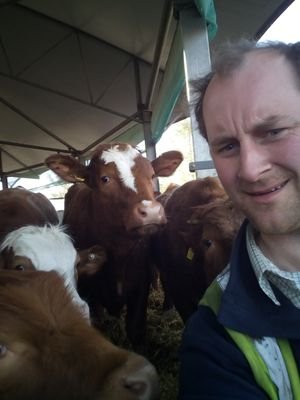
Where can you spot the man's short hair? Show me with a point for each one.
(229, 57)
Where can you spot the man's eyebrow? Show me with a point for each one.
(281, 121)
(222, 141)
(262, 126)
(266, 123)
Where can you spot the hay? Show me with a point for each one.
(164, 332)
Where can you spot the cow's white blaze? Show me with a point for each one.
(124, 161)
(48, 248)
(147, 203)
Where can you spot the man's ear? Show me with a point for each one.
(67, 168)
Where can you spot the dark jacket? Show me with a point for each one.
(211, 365)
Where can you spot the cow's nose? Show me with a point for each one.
(143, 384)
(142, 379)
(136, 379)
(148, 212)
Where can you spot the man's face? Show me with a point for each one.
(253, 126)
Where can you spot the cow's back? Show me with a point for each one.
(79, 216)
(19, 207)
(191, 194)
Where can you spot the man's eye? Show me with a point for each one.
(227, 148)
(275, 132)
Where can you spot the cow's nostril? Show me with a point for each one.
(146, 213)
(143, 213)
(140, 380)
(136, 387)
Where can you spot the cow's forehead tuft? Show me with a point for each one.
(124, 159)
(114, 152)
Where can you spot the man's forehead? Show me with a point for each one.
(253, 93)
(247, 60)
(260, 57)
(257, 66)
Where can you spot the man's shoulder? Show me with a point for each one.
(203, 326)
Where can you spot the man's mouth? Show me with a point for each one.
(267, 191)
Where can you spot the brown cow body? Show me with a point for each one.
(20, 207)
(196, 242)
(115, 207)
(49, 351)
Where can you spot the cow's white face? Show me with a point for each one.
(47, 248)
(124, 161)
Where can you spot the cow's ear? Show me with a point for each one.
(67, 168)
(167, 163)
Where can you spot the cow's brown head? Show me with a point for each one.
(122, 182)
(213, 227)
(48, 350)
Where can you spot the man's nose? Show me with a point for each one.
(254, 162)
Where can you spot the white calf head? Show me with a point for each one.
(47, 248)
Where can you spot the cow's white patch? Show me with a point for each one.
(146, 203)
(48, 248)
(124, 160)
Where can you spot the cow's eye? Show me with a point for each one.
(105, 179)
(207, 243)
(3, 350)
(19, 267)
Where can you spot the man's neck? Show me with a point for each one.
(282, 250)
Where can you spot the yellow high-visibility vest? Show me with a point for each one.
(212, 299)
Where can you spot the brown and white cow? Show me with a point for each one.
(43, 248)
(31, 239)
(113, 205)
(196, 242)
(49, 351)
